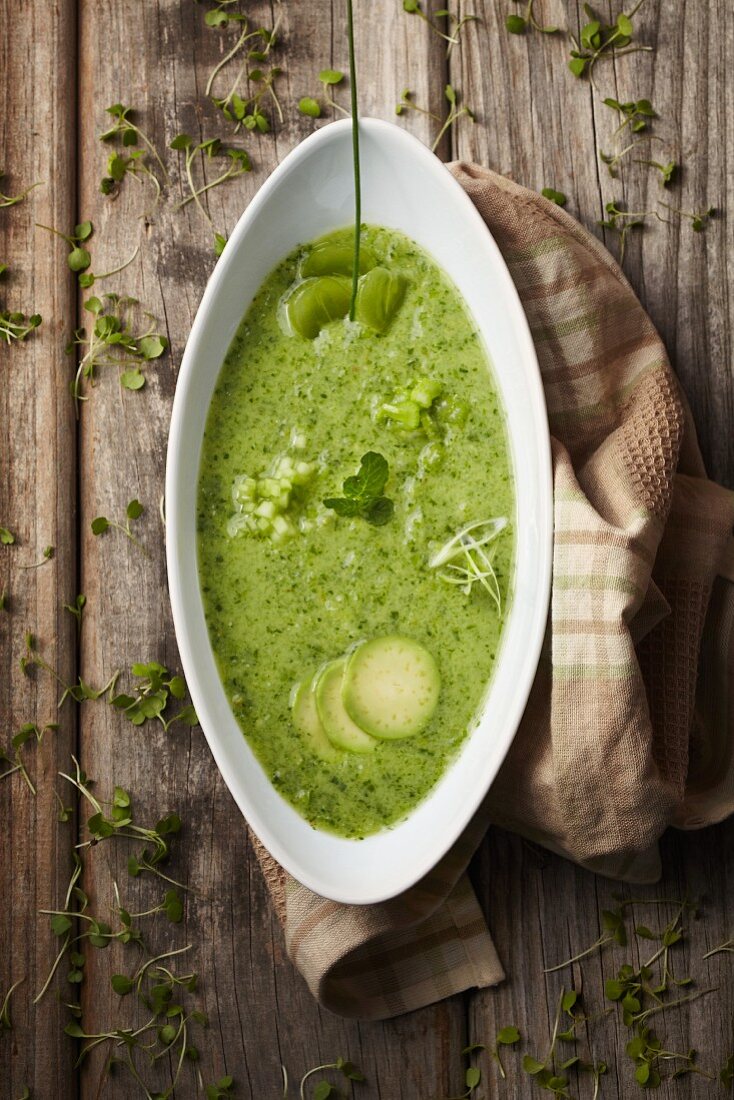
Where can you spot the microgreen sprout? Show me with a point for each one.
(636, 113)
(699, 220)
(239, 163)
(464, 561)
(79, 692)
(27, 732)
(133, 511)
(220, 1089)
(328, 79)
(519, 24)
(47, 555)
(456, 111)
(549, 1073)
(442, 22)
(7, 538)
(726, 947)
(117, 339)
(77, 609)
(668, 171)
(325, 1090)
(554, 196)
(598, 41)
(78, 258)
(13, 200)
(245, 111)
(14, 324)
(5, 1021)
(506, 1036)
(164, 1036)
(124, 127)
(152, 694)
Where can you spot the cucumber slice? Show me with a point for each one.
(317, 301)
(391, 687)
(307, 721)
(336, 258)
(338, 726)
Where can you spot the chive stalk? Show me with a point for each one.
(355, 159)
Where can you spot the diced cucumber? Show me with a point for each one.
(391, 687)
(307, 721)
(338, 726)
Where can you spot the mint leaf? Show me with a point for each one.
(363, 492)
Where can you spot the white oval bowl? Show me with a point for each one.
(404, 187)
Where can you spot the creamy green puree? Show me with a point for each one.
(277, 610)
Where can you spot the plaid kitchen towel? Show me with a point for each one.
(630, 723)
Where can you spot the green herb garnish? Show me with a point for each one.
(133, 511)
(519, 24)
(116, 340)
(453, 24)
(557, 197)
(13, 200)
(239, 163)
(363, 492)
(14, 325)
(599, 41)
(456, 111)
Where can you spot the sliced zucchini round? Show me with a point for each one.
(307, 721)
(341, 731)
(391, 687)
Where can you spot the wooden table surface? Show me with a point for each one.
(62, 62)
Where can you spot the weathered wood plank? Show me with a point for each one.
(259, 1009)
(541, 126)
(37, 502)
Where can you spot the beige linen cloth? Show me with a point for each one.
(630, 723)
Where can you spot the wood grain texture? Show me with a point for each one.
(37, 491)
(541, 126)
(259, 1009)
(534, 122)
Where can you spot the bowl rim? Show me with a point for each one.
(178, 597)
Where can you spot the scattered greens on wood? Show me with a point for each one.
(455, 112)
(636, 114)
(155, 689)
(78, 258)
(47, 555)
(603, 41)
(250, 46)
(324, 1089)
(554, 196)
(117, 339)
(5, 1021)
(27, 732)
(220, 1089)
(622, 221)
(77, 609)
(442, 22)
(14, 324)
(133, 511)
(13, 200)
(133, 159)
(364, 492)
(519, 24)
(239, 163)
(328, 78)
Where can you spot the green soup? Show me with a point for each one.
(278, 608)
